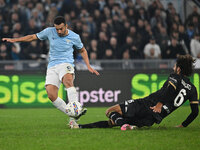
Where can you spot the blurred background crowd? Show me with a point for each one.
(109, 29)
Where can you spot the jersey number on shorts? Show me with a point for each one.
(179, 98)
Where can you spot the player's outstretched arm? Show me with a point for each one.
(194, 105)
(27, 38)
(86, 60)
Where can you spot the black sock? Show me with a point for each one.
(117, 118)
(99, 124)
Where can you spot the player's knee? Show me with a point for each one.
(52, 92)
(115, 108)
(68, 80)
(68, 83)
(108, 111)
(52, 97)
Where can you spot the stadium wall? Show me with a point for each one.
(27, 89)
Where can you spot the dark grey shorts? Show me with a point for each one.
(135, 112)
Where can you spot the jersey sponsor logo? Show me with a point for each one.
(68, 41)
(69, 68)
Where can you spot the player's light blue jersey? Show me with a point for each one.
(61, 48)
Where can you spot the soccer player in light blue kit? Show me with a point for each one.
(61, 62)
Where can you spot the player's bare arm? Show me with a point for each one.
(27, 38)
(86, 60)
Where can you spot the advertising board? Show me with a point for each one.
(111, 87)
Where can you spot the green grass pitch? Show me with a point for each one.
(46, 129)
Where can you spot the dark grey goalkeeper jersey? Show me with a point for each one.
(174, 93)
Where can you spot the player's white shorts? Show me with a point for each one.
(55, 74)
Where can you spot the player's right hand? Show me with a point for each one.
(157, 108)
(179, 126)
(93, 71)
(8, 40)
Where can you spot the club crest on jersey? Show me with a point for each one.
(68, 41)
(75, 108)
(69, 68)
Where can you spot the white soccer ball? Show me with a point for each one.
(74, 109)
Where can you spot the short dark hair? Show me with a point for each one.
(59, 19)
(186, 64)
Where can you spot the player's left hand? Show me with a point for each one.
(93, 71)
(180, 126)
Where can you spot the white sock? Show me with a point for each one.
(60, 104)
(72, 94)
